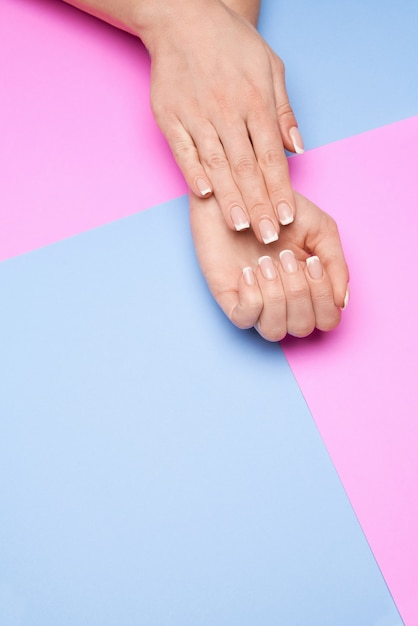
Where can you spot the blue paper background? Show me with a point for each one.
(158, 465)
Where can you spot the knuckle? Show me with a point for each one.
(253, 96)
(284, 109)
(273, 334)
(257, 208)
(285, 117)
(254, 306)
(298, 293)
(164, 114)
(259, 112)
(302, 329)
(242, 324)
(277, 303)
(329, 323)
(278, 190)
(216, 161)
(272, 158)
(328, 225)
(183, 150)
(245, 167)
(279, 65)
(229, 199)
(158, 109)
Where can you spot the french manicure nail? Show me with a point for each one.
(288, 261)
(248, 275)
(239, 218)
(268, 231)
(203, 186)
(267, 267)
(314, 266)
(346, 299)
(297, 140)
(285, 214)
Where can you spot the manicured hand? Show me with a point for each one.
(218, 94)
(299, 286)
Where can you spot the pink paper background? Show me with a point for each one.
(73, 155)
(360, 382)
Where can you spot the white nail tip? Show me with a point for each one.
(248, 276)
(283, 252)
(295, 137)
(242, 226)
(346, 299)
(261, 259)
(271, 239)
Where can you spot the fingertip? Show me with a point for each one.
(267, 231)
(346, 299)
(314, 267)
(337, 269)
(340, 289)
(285, 213)
(203, 187)
(248, 276)
(296, 140)
(239, 218)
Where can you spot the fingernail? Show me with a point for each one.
(267, 267)
(314, 267)
(297, 140)
(288, 261)
(203, 186)
(239, 218)
(346, 299)
(248, 274)
(268, 231)
(285, 214)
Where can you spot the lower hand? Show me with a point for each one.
(301, 285)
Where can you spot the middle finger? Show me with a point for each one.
(300, 313)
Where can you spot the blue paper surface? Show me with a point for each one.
(159, 466)
(350, 66)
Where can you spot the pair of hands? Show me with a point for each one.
(218, 94)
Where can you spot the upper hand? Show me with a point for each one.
(218, 94)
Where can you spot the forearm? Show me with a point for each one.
(119, 13)
(249, 9)
(138, 16)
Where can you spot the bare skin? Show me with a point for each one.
(218, 93)
(277, 290)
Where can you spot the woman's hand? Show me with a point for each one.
(301, 285)
(218, 94)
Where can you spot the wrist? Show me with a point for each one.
(155, 21)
